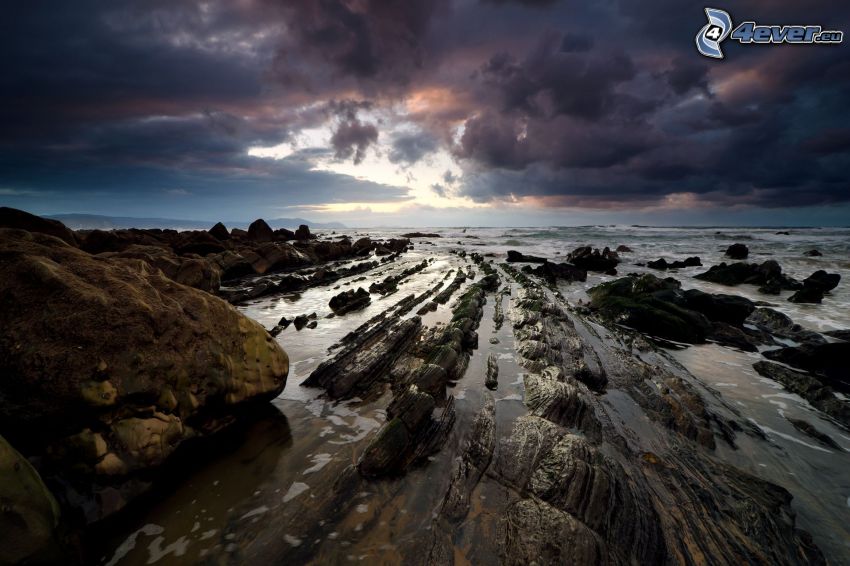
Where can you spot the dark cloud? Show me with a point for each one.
(576, 43)
(409, 148)
(687, 73)
(582, 104)
(535, 3)
(552, 81)
(833, 141)
(352, 138)
(373, 40)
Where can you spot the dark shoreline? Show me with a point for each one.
(410, 364)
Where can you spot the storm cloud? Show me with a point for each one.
(554, 102)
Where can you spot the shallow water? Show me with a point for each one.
(241, 498)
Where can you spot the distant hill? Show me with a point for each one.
(96, 221)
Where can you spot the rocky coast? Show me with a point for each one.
(435, 403)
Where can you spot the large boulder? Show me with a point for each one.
(780, 325)
(590, 259)
(730, 309)
(259, 231)
(554, 271)
(767, 275)
(815, 286)
(303, 232)
(112, 365)
(737, 251)
(663, 264)
(648, 304)
(275, 256)
(219, 232)
(660, 307)
(822, 280)
(349, 301)
(197, 242)
(14, 218)
(517, 257)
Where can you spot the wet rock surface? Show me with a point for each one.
(737, 251)
(590, 259)
(661, 308)
(349, 301)
(663, 264)
(815, 391)
(516, 257)
(767, 275)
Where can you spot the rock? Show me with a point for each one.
(303, 233)
(300, 321)
(233, 265)
(366, 360)
(554, 271)
(421, 235)
(284, 235)
(275, 256)
(472, 463)
(113, 345)
(197, 242)
(491, 381)
(14, 218)
(643, 303)
(259, 231)
(219, 231)
(623, 249)
(808, 429)
(815, 286)
(591, 259)
(807, 295)
(783, 233)
(514, 257)
(737, 251)
(349, 301)
(729, 335)
(781, 325)
(386, 451)
(810, 388)
(827, 361)
(768, 274)
(843, 334)
(99, 241)
(362, 246)
(730, 309)
(821, 280)
(194, 272)
(813, 253)
(238, 234)
(30, 514)
(663, 264)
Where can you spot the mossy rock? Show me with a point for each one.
(29, 515)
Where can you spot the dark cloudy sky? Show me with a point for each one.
(418, 112)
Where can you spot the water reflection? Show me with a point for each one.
(189, 506)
